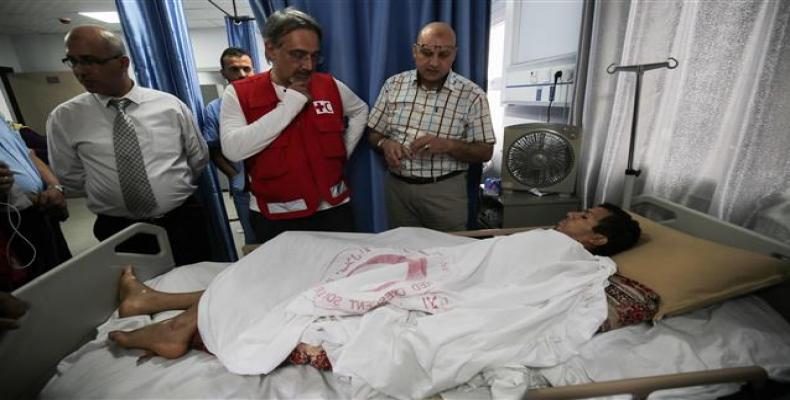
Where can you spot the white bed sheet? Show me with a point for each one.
(100, 371)
(737, 333)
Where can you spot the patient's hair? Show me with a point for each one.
(620, 229)
(232, 52)
(283, 22)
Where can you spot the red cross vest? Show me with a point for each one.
(304, 164)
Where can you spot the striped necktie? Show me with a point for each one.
(135, 187)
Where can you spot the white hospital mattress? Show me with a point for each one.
(738, 333)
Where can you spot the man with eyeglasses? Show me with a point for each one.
(134, 152)
(235, 64)
(430, 124)
(288, 125)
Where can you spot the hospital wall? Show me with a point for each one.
(42, 53)
(39, 73)
(8, 56)
(7, 59)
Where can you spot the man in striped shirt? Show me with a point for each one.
(430, 124)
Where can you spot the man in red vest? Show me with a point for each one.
(287, 124)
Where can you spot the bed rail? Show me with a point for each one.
(66, 305)
(640, 388)
(707, 226)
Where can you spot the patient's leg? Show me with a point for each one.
(168, 339)
(139, 299)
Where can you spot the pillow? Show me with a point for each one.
(689, 273)
(629, 302)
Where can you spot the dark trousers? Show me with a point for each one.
(335, 219)
(47, 247)
(186, 226)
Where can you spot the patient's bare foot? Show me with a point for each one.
(136, 298)
(168, 339)
(139, 299)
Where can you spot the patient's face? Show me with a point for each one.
(579, 225)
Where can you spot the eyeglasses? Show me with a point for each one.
(428, 51)
(87, 61)
(301, 55)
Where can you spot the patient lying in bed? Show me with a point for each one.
(427, 319)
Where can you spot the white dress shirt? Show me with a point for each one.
(240, 140)
(80, 140)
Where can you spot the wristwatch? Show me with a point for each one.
(380, 142)
(59, 188)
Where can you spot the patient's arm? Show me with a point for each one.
(139, 299)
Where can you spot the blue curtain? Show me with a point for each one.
(160, 48)
(367, 41)
(244, 34)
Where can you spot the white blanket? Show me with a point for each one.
(407, 323)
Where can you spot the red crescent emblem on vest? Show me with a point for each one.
(323, 107)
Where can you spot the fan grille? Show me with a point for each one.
(540, 159)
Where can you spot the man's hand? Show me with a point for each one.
(6, 179)
(11, 309)
(427, 145)
(53, 202)
(458, 149)
(223, 163)
(49, 199)
(394, 152)
(300, 85)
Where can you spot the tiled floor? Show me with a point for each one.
(78, 229)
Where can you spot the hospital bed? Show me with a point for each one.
(70, 301)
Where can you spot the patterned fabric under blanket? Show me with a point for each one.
(629, 302)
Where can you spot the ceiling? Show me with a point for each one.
(24, 17)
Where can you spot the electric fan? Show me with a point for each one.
(540, 156)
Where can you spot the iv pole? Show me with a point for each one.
(630, 173)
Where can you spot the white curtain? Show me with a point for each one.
(713, 134)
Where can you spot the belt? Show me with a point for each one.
(188, 202)
(423, 181)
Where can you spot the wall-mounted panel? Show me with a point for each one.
(542, 39)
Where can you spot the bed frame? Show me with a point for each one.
(66, 305)
(71, 300)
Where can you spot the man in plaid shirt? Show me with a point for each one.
(430, 124)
